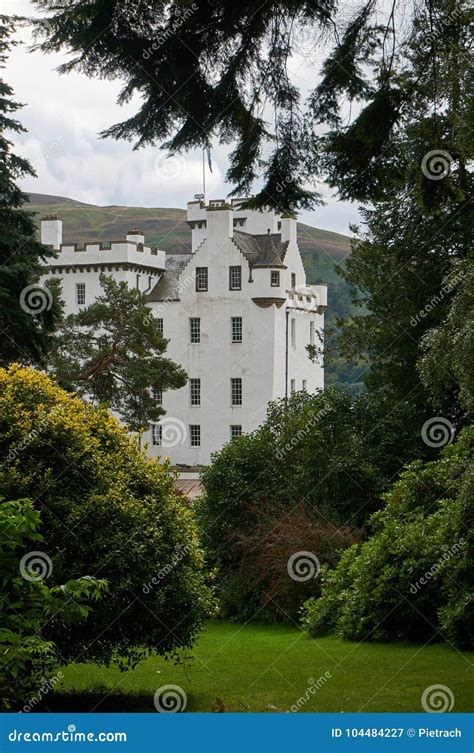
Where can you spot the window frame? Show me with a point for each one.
(195, 394)
(194, 338)
(275, 275)
(194, 436)
(232, 269)
(157, 395)
(234, 435)
(234, 320)
(198, 271)
(80, 286)
(236, 392)
(160, 325)
(157, 439)
(293, 332)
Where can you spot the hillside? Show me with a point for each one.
(167, 229)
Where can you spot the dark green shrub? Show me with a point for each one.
(28, 604)
(328, 452)
(413, 578)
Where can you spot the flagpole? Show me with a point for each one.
(203, 174)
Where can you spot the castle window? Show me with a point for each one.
(292, 386)
(303, 385)
(293, 333)
(159, 326)
(293, 280)
(311, 333)
(235, 278)
(195, 329)
(236, 391)
(156, 434)
(275, 278)
(235, 431)
(195, 435)
(278, 226)
(195, 391)
(236, 329)
(80, 293)
(201, 279)
(138, 282)
(157, 395)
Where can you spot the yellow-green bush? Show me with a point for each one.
(107, 511)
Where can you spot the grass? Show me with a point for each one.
(268, 668)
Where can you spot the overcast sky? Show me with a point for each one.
(64, 114)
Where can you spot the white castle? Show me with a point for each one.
(237, 311)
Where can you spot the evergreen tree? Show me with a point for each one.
(113, 353)
(223, 70)
(399, 268)
(28, 312)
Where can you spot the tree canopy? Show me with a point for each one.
(221, 70)
(113, 353)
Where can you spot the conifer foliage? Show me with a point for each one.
(28, 311)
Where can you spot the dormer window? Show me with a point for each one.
(275, 278)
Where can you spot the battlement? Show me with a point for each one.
(132, 250)
(253, 222)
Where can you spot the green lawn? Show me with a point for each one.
(268, 668)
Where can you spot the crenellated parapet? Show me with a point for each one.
(130, 252)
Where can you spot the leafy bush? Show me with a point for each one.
(327, 451)
(413, 578)
(106, 510)
(27, 605)
(278, 560)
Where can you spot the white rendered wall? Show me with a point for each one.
(260, 360)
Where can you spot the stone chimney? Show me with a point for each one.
(288, 229)
(135, 235)
(220, 222)
(52, 231)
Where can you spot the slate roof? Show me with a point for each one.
(261, 250)
(167, 287)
